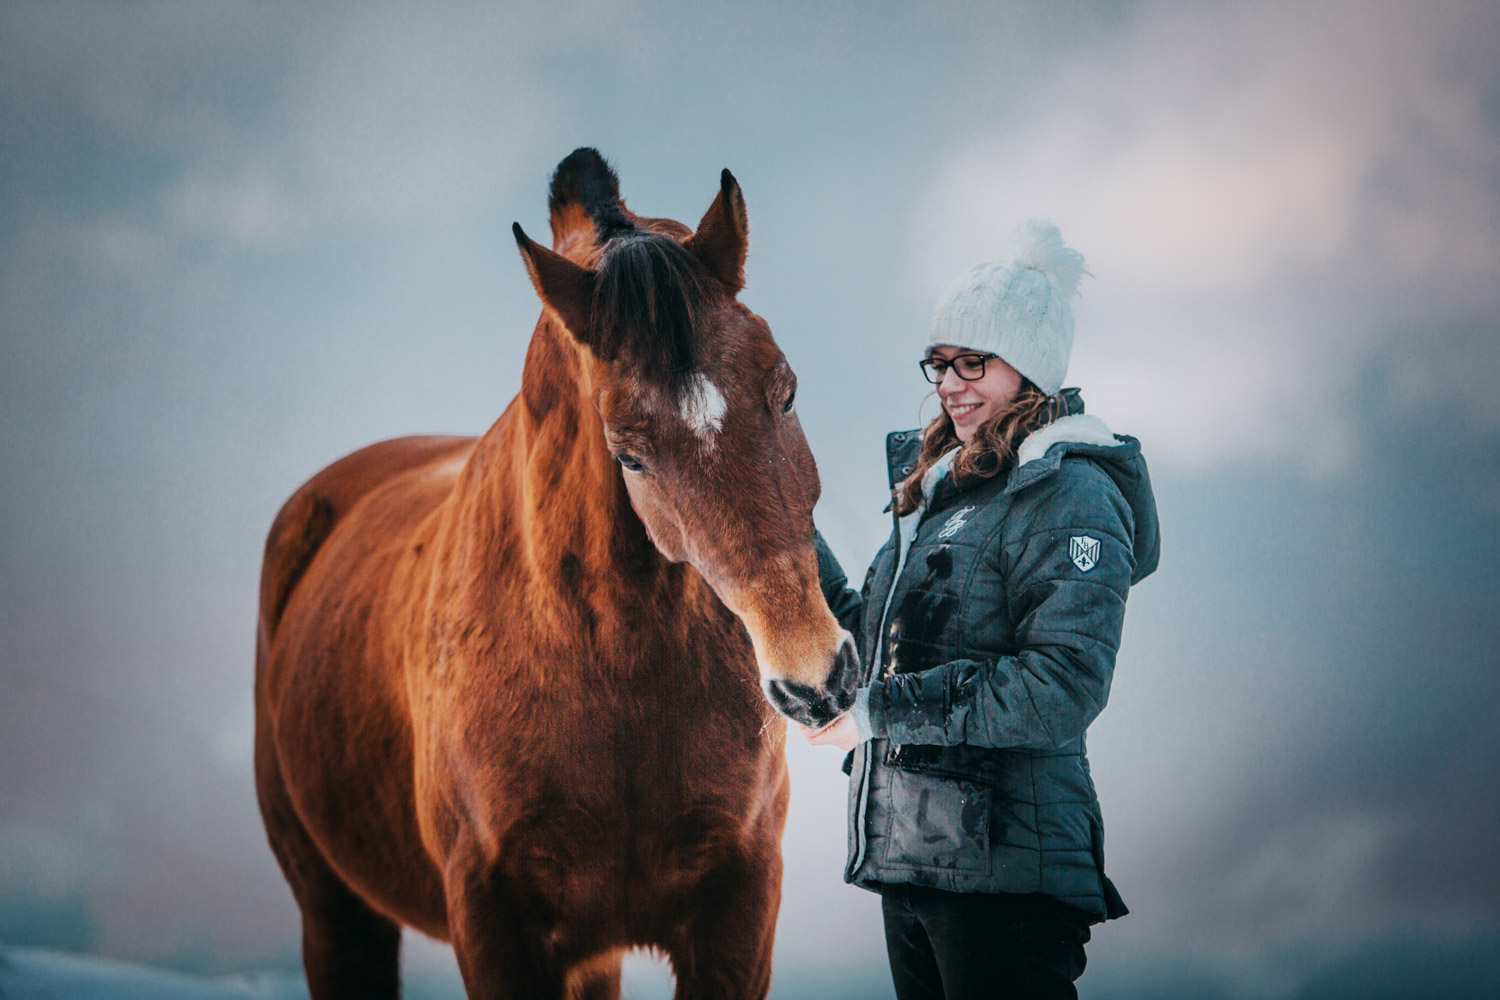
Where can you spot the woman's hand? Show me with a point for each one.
(841, 732)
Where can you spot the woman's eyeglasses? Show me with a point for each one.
(970, 367)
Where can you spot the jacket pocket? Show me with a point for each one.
(963, 763)
(938, 824)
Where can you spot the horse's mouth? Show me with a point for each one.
(807, 705)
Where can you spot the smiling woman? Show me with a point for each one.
(989, 624)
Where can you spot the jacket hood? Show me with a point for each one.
(1042, 454)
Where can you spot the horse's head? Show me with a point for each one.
(697, 403)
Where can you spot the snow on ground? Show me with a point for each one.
(37, 974)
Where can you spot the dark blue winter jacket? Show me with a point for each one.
(989, 633)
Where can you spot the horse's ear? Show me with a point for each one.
(564, 287)
(722, 237)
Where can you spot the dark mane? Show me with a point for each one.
(649, 295)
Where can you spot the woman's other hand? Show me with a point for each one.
(841, 732)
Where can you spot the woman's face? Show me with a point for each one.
(972, 403)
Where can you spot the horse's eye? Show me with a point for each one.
(630, 462)
(790, 399)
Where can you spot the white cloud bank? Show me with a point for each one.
(1267, 194)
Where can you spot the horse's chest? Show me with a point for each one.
(640, 802)
(599, 791)
(626, 864)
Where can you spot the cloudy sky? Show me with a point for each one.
(238, 241)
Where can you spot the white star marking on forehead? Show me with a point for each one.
(702, 407)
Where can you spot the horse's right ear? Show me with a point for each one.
(565, 288)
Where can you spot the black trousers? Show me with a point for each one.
(971, 945)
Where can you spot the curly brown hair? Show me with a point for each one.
(989, 452)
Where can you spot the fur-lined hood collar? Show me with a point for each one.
(1077, 433)
(1075, 428)
(1041, 456)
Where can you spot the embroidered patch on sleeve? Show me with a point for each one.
(1084, 551)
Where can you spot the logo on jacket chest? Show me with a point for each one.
(958, 520)
(1084, 551)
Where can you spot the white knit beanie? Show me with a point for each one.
(1019, 308)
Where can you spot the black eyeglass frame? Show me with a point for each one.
(943, 364)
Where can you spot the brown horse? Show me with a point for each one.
(509, 689)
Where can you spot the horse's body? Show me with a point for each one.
(489, 703)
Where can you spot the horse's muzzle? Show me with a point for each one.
(815, 707)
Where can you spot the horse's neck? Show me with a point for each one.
(543, 484)
(540, 525)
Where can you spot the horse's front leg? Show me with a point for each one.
(724, 950)
(499, 938)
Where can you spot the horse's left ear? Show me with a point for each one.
(722, 237)
(565, 288)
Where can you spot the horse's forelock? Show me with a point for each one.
(649, 296)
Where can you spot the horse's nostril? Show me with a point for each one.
(844, 677)
(837, 671)
(780, 697)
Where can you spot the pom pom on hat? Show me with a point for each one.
(1038, 245)
(1018, 309)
